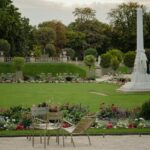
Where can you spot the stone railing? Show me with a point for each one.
(42, 60)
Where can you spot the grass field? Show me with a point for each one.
(92, 131)
(88, 94)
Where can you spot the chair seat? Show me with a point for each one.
(50, 126)
(70, 129)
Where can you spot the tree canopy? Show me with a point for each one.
(14, 28)
(85, 32)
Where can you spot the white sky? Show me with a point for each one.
(82, 2)
(43, 10)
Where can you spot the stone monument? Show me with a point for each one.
(64, 56)
(140, 80)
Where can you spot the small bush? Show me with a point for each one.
(74, 113)
(107, 112)
(105, 60)
(37, 50)
(18, 63)
(89, 60)
(129, 59)
(90, 51)
(145, 110)
(123, 69)
(115, 63)
(116, 53)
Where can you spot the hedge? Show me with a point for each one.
(37, 68)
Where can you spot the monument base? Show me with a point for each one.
(135, 87)
(139, 83)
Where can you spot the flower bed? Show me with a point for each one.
(108, 116)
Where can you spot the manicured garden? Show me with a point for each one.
(116, 112)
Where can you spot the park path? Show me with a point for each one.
(132, 142)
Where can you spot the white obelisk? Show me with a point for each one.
(140, 80)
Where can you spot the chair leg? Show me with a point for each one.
(48, 139)
(30, 138)
(44, 141)
(89, 140)
(58, 139)
(72, 141)
(40, 139)
(33, 138)
(33, 141)
(63, 141)
(63, 136)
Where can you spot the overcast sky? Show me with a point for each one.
(43, 10)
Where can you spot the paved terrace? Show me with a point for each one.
(132, 142)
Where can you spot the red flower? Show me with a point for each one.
(130, 126)
(65, 125)
(20, 127)
(109, 125)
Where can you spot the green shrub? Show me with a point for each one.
(123, 69)
(105, 60)
(116, 53)
(74, 113)
(18, 63)
(26, 119)
(37, 50)
(89, 60)
(129, 59)
(145, 110)
(90, 51)
(115, 63)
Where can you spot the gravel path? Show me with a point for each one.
(133, 142)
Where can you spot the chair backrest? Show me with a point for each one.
(37, 111)
(83, 125)
(55, 116)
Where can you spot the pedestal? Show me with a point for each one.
(32, 59)
(2, 59)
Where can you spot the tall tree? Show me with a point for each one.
(97, 34)
(76, 41)
(14, 28)
(84, 14)
(44, 36)
(4, 46)
(60, 31)
(123, 21)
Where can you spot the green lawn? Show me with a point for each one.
(29, 94)
(92, 131)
